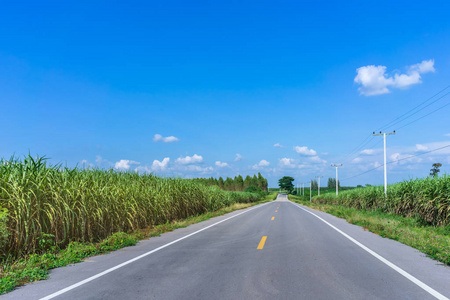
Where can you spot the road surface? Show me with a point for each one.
(276, 250)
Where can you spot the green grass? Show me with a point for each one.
(431, 240)
(35, 267)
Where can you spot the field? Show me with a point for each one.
(427, 199)
(46, 206)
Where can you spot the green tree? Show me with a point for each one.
(331, 183)
(247, 181)
(239, 183)
(435, 170)
(314, 185)
(261, 182)
(285, 183)
(221, 183)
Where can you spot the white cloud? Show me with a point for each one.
(374, 80)
(262, 163)
(447, 134)
(169, 139)
(160, 165)
(124, 164)
(278, 145)
(368, 152)
(195, 168)
(421, 147)
(305, 151)
(357, 160)
(425, 66)
(194, 159)
(287, 162)
(221, 164)
(238, 157)
(317, 159)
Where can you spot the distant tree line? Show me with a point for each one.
(238, 183)
(332, 183)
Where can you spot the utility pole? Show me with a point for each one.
(337, 182)
(319, 184)
(385, 167)
(303, 189)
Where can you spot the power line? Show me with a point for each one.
(426, 115)
(394, 161)
(390, 123)
(359, 154)
(399, 119)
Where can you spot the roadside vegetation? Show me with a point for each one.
(415, 212)
(52, 216)
(255, 183)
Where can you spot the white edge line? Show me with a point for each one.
(382, 259)
(80, 283)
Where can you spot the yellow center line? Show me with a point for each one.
(261, 244)
(273, 218)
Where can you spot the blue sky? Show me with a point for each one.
(219, 84)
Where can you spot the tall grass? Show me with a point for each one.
(46, 205)
(427, 199)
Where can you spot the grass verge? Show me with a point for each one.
(36, 266)
(414, 232)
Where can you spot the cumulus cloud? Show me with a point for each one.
(262, 163)
(374, 80)
(287, 162)
(305, 151)
(194, 159)
(221, 164)
(278, 145)
(124, 164)
(168, 139)
(160, 165)
(238, 157)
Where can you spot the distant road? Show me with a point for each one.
(276, 250)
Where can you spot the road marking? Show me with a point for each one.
(261, 244)
(80, 283)
(273, 218)
(419, 283)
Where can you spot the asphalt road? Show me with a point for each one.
(276, 250)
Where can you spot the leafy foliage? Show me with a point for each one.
(435, 170)
(238, 183)
(285, 183)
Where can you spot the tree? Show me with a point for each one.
(314, 185)
(435, 170)
(221, 183)
(331, 183)
(240, 183)
(285, 183)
